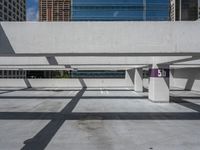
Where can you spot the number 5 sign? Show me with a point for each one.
(164, 73)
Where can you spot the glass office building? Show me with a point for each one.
(184, 10)
(120, 10)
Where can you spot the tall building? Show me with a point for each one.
(54, 10)
(12, 10)
(184, 10)
(120, 10)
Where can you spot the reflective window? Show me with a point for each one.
(97, 74)
(40, 74)
(120, 10)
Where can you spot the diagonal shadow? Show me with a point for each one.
(52, 60)
(185, 103)
(189, 84)
(10, 91)
(42, 139)
(28, 84)
(131, 73)
(5, 45)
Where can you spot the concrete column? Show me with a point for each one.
(138, 80)
(129, 79)
(159, 83)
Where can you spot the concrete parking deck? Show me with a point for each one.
(97, 119)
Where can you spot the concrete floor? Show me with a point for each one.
(97, 119)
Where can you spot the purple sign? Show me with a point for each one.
(159, 73)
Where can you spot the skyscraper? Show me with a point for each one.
(120, 10)
(184, 10)
(12, 10)
(54, 10)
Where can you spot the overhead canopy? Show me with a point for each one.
(88, 38)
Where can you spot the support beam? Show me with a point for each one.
(111, 38)
(138, 80)
(89, 60)
(159, 83)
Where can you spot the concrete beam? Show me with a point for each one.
(99, 37)
(79, 67)
(87, 60)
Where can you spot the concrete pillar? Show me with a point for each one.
(159, 83)
(138, 80)
(129, 79)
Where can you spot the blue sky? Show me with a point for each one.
(32, 10)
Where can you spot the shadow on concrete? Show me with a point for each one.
(191, 75)
(59, 118)
(5, 45)
(42, 139)
(179, 90)
(10, 91)
(187, 104)
(145, 89)
(83, 84)
(131, 74)
(52, 60)
(45, 135)
(28, 84)
(189, 84)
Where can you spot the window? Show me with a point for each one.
(39, 74)
(98, 74)
(120, 10)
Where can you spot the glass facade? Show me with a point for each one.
(189, 10)
(186, 10)
(98, 74)
(61, 74)
(120, 10)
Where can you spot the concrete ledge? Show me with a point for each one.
(64, 83)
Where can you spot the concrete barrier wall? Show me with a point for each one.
(187, 78)
(62, 83)
(76, 83)
(4, 83)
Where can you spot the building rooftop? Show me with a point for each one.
(93, 119)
